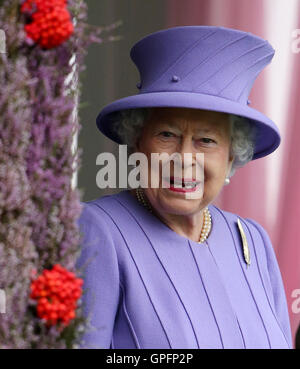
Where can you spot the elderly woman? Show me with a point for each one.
(163, 269)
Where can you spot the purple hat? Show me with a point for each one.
(201, 67)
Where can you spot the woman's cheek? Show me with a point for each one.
(162, 146)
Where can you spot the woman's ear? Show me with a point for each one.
(230, 162)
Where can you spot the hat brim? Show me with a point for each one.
(268, 138)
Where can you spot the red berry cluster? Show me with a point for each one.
(56, 291)
(50, 22)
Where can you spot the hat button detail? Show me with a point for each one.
(139, 85)
(248, 102)
(175, 79)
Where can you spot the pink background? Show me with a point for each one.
(246, 193)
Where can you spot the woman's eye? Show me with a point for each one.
(166, 134)
(207, 140)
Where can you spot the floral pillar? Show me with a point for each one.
(46, 41)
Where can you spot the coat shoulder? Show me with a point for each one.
(232, 219)
(96, 211)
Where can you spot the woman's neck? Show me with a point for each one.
(188, 226)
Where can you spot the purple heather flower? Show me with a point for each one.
(38, 206)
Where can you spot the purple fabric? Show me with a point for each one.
(201, 67)
(147, 287)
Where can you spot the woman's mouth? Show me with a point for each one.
(182, 184)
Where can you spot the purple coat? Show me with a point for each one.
(147, 287)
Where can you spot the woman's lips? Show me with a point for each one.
(180, 188)
(184, 190)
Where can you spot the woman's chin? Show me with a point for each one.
(179, 203)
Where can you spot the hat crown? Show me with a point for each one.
(210, 60)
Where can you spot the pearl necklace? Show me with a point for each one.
(207, 216)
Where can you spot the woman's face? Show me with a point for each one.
(185, 130)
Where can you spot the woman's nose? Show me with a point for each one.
(187, 152)
(186, 146)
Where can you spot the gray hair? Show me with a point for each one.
(131, 121)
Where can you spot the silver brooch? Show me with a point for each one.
(246, 251)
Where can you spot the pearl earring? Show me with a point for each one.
(227, 181)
